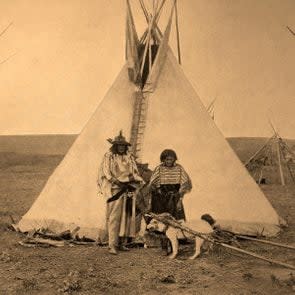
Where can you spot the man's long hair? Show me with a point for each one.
(114, 149)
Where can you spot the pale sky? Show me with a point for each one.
(68, 52)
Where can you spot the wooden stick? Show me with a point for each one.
(5, 29)
(272, 261)
(44, 241)
(266, 242)
(142, 39)
(150, 56)
(280, 164)
(147, 44)
(82, 243)
(27, 245)
(177, 34)
(48, 236)
(158, 13)
(144, 10)
(176, 224)
(157, 20)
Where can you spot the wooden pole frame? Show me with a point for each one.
(176, 224)
(158, 14)
(266, 242)
(146, 45)
(280, 162)
(177, 33)
(257, 152)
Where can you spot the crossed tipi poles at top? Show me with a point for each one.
(153, 33)
(143, 54)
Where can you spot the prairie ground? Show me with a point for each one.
(91, 270)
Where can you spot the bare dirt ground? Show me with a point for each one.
(90, 270)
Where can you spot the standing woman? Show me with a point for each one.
(168, 184)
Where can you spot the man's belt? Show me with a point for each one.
(125, 187)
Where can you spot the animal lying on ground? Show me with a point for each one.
(202, 226)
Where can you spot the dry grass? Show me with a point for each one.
(90, 270)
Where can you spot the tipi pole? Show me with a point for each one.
(146, 45)
(158, 13)
(284, 144)
(143, 36)
(177, 33)
(258, 256)
(290, 172)
(280, 164)
(5, 29)
(150, 55)
(144, 10)
(176, 224)
(266, 242)
(150, 44)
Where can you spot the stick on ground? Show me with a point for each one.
(266, 242)
(169, 220)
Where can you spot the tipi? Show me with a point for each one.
(273, 163)
(153, 99)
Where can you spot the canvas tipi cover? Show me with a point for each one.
(175, 118)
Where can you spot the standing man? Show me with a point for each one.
(119, 182)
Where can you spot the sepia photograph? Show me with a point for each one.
(147, 147)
